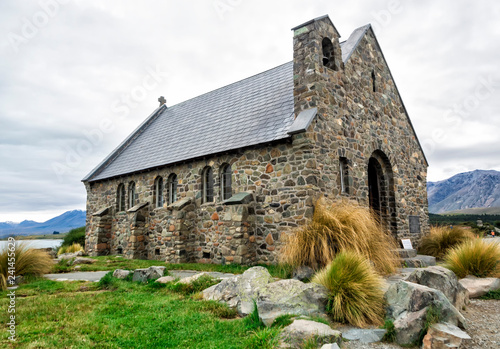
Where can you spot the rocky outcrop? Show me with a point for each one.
(407, 305)
(444, 336)
(478, 287)
(295, 334)
(143, 275)
(290, 297)
(121, 273)
(444, 280)
(272, 298)
(240, 291)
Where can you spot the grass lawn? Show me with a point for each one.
(52, 314)
(113, 262)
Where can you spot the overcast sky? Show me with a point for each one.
(76, 77)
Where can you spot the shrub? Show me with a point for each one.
(75, 236)
(441, 239)
(70, 249)
(28, 261)
(355, 292)
(108, 282)
(340, 227)
(474, 257)
(492, 295)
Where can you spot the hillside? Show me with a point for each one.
(475, 189)
(63, 223)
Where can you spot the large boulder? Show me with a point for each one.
(241, 290)
(121, 273)
(143, 275)
(290, 297)
(444, 280)
(408, 303)
(444, 336)
(478, 287)
(300, 331)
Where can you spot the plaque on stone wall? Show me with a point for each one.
(414, 224)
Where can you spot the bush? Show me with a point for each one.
(441, 239)
(341, 227)
(355, 292)
(476, 257)
(70, 249)
(28, 262)
(75, 236)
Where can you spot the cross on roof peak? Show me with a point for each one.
(162, 100)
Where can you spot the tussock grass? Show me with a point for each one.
(340, 227)
(441, 239)
(265, 338)
(355, 290)
(474, 257)
(28, 261)
(75, 247)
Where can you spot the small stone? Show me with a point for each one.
(269, 239)
(121, 273)
(215, 216)
(269, 168)
(165, 279)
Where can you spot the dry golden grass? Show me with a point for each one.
(355, 290)
(344, 226)
(28, 261)
(441, 239)
(75, 247)
(476, 257)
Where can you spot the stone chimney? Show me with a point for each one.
(317, 62)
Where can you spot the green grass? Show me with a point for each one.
(390, 335)
(52, 314)
(492, 295)
(432, 316)
(110, 263)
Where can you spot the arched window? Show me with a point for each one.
(120, 197)
(172, 188)
(131, 195)
(328, 54)
(207, 185)
(158, 192)
(226, 189)
(344, 175)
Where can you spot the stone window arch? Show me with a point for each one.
(207, 185)
(158, 192)
(131, 195)
(172, 188)
(226, 187)
(120, 197)
(328, 54)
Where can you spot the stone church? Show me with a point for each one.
(223, 177)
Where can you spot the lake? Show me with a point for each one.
(49, 243)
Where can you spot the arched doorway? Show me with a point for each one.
(381, 190)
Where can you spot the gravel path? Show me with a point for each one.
(483, 317)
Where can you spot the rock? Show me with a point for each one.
(143, 275)
(444, 336)
(407, 303)
(290, 297)
(165, 279)
(77, 267)
(478, 287)
(83, 260)
(330, 346)
(121, 273)
(299, 331)
(406, 252)
(364, 336)
(240, 290)
(190, 279)
(444, 280)
(69, 255)
(420, 261)
(303, 273)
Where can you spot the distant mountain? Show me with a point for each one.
(464, 191)
(63, 223)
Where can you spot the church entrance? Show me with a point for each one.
(381, 191)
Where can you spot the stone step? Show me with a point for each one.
(420, 261)
(406, 253)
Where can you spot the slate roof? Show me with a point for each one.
(252, 111)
